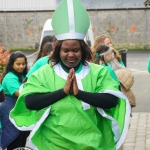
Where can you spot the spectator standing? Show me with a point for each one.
(45, 52)
(15, 71)
(116, 62)
(42, 51)
(124, 75)
(102, 56)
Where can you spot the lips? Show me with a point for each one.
(71, 61)
(21, 70)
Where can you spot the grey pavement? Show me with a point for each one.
(138, 137)
(137, 63)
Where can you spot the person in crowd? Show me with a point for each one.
(15, 71)
(2, 98)
(71, 103)
(41, 52)
(48, 46)
(148, 65)
(116, 62)
(124, 75)
(46, 51)
(102, 56)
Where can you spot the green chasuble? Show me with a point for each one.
(70, 123)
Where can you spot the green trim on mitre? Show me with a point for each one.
(70, 20)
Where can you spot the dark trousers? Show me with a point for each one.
(20, 141)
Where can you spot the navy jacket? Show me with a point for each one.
(9, 131)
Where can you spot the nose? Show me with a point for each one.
(70, 54)
(110, 44)
(21, 66)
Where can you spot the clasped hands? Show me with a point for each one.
(71, 84)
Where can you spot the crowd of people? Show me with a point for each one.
(73, 97)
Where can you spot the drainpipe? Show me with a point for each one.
(5, 24)
(127, 24)
(35, 17)
(127, 21)
(145, 29)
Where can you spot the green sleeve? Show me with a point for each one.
(39, 63)
(10, 84)
(121, 63)
(112, 73)
(35, 67)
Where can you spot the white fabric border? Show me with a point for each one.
(33, 128)
(23, 128)
(21, 88)
(115, 126)
(71, 16)
(127, 118)
(70, 35)
(37, 126)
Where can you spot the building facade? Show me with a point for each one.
(125, 21)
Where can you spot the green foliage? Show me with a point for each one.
(117, 46)
(4, 57)
(132, 47)
(21, 48)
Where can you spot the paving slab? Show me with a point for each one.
(138, 137)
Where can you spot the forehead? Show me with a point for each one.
(20, 60)
(70, 43)
(107, 39)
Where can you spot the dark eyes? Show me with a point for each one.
(20, 64)
(75, 50)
